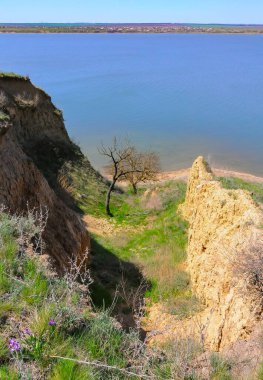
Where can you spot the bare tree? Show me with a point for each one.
(143, 167)
(118, 155)
(126, 163)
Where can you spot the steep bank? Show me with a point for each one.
(34, 146)
(224, 244)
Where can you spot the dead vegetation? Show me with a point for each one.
(248, 264)
(27, 100)
(3, 99)
(127, 164)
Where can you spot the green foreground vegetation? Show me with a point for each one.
(52, 328)
(152, 235)
(48, 325)
(149, 233)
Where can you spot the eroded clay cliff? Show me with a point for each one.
(33, 147)
(224, 226)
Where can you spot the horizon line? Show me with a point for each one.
(129, 23)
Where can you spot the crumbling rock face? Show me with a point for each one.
(29, 120)
(223, 224)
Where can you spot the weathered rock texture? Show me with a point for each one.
(33, 146)
(223, 224)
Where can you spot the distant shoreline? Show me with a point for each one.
(130, 29)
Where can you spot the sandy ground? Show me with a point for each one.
(184, 173)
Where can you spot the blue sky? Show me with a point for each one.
(202, 11)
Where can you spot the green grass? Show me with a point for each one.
(31, 299)
(88, 188)
(154, 239)
(4, 116)
(220, 368)
(70, 371)
(256, 189)
(13, 76)
(8, 373)
(260, 372)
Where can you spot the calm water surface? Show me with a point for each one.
(182, 95)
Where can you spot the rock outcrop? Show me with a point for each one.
(33, 146)
(225, 226)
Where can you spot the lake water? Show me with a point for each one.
(182, 95)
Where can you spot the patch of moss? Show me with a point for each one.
(11, 75)
(4, 116)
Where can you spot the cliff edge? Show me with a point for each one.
(34, 144)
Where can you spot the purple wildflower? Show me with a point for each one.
(14, 345)
(27, 331)
(52, 322)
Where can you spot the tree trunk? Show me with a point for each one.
(111, 188)
(134, 187)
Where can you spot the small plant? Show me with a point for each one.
(220, 368)
(3, 99)
(260, 372)
(58, 112)
(4, 117)
(14, 345)
(34, 346)
(4, 351)
(27, 100)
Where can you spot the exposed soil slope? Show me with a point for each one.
(34, 145)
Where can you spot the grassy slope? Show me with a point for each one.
(256, 189)
(153, 239)
(30, 298)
